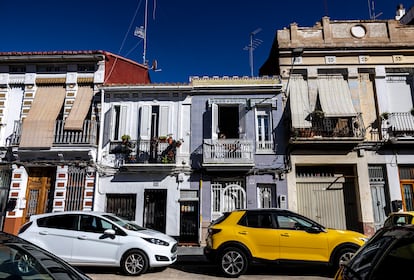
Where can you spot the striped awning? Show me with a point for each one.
(299, 102)
(39, 125)
(80, 108)
(402, 122)
(335, 96)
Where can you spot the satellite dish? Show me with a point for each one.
(154, 66)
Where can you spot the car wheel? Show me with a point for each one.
(233, 262)
(25, 264)
(343, 256)
(134, 262)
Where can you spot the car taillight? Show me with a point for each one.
(24, 227)
(212, 231)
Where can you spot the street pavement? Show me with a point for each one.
(191, 264)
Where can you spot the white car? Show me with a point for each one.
(88, 238)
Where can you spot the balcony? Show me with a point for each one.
(86, 136)
(398, 127)
(68, 145)
(333, 130)
(145, 154)
(228, 154)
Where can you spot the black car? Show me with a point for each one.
(389, 254)
(20, 260)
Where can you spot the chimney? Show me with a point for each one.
(400, 12)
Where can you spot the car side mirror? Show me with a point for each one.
(108, 233)
(313, 229)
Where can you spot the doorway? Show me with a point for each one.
(155, 205)
(40, 191)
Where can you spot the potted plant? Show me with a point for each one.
(412, 111)
(125, 138)
(162, 139)
(385, 115)
(318, 114)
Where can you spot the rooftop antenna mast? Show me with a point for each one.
(141, 32)
(371, 10)
(254, 43)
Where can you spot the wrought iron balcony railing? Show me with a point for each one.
(86, 136)
(145, 151)
(332, 128)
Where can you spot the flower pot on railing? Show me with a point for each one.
(385, 115)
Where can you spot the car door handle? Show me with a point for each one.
(43, 233)
(243, 232)
(285, 234)
(82, 237)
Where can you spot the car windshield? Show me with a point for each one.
(129, 225)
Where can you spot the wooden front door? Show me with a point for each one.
(39, 194)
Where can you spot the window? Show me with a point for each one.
(264, 141)
(68, 222)
(266, 197)
(75, 188)
(292, 222)
(257, 220)
(119, 121)
(122, 205)
(227, 196)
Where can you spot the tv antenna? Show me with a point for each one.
(371, 10)
(141, 32)
(254, 43)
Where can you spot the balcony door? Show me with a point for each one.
(228, 121)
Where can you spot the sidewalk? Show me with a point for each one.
(191, 254)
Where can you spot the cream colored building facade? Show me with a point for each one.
(349, 99)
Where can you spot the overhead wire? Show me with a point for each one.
(123, 41)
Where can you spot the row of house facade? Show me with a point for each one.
(325, 130)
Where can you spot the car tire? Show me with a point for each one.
(134, 262)
(343, 255)
(233, 262)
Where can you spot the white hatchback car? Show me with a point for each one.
(100, 239)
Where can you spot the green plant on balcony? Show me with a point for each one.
(385, 115)
(318, 114)
(412, 111)
(126, 145)
(168, 155)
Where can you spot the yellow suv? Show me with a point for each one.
(242, 237)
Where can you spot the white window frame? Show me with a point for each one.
(266, 144)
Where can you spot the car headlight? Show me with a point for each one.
(156, 241)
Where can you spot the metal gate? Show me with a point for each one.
(326, 206)
(377, 184)
(227, 196)
(155, 207)
(75, 188)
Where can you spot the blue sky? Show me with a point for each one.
(186, 37)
